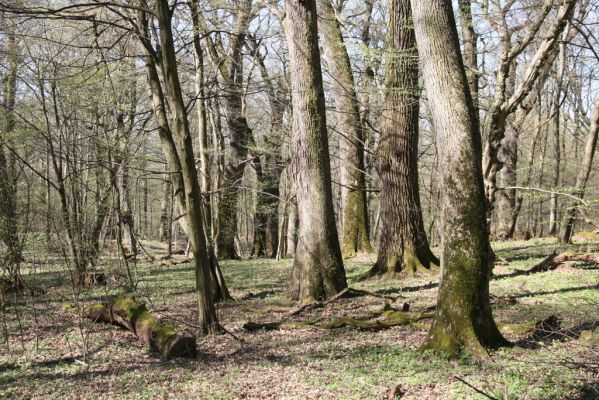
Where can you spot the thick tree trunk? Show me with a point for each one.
(356, 237)
(318, 267)
(585, 171)
(402, 242)
(463, 318)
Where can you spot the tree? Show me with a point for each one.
(318, 267)
(507, 101)
(175, 137)
(585, 171)
(9, 234)
(229, 63)
(356, 237)
(402, 239)
(463, 317)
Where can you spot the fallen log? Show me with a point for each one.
(555, 260)
(133, 316)
(390, 318)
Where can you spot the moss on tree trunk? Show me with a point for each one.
(318, 267)
(130, 315)
(463, 318)
(402, 239)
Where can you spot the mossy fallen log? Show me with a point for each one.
(555, 260)
(133, 316)
(390, 318)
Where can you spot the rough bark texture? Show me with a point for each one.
(585, 171)
(402, 242)
(130, 315)
(318, 267)
(463, 318)
(356, 236)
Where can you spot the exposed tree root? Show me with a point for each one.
(389, 319)
(555, 260)
(130, 315)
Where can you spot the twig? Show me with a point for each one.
(488, 396)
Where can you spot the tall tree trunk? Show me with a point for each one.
(230, 68)
(470, 50)
(177, 145)
(555, 128)
(318, 266)
(585, 171)
(356, 237)
(9, 234)
(463, 318)
(402, 239)
(267, 202)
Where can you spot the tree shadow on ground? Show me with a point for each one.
(548, 331)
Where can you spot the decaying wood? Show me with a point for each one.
(389, 319)
(555, 260)
(133, 316)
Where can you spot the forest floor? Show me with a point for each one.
(42, 354)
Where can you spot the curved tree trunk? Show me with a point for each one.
(356, 236)
(402, 239)
(463, 318)
(318, 267)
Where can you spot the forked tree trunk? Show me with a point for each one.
(402, 242)
(175, 137)
(356, 237)
(463, 318)
(318, 267)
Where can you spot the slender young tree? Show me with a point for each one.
(175, 138)
(585, 171)
(402, 239)
(356, 237)
(463, 317)
(318, 267)
(9, 234)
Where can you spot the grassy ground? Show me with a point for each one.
(47, 352)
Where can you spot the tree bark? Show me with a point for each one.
(402, 242)
(9, 233)
(318, 266)
(463, 318)
(356, 237)
(177, 145)
(584, 172)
